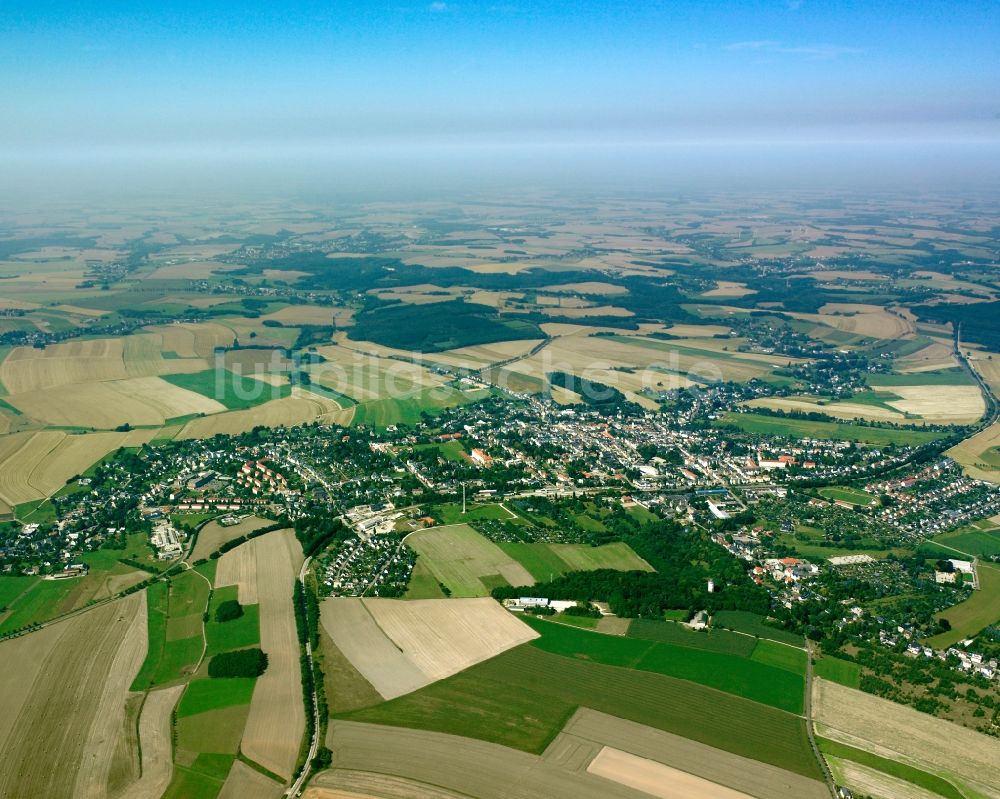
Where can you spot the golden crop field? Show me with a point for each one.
(213, 535)
(301, 407)
(588, 731)
(138, 401)
(442, 637)
(901, 733)
(276, 724)
(68, 700)
(244, 782)
(459, 557)
(156, 744)
(36, 465)
(462, 765)
(656, 779)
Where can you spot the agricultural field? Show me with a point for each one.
(228, 390)
(213, 535)
(409, 408)
(772, 675)
(32, 600)
(892, 778)
(401, 646)
(276, 723)
(544, 561)
(840, 671)
(895, 732)
(65, 692)
(981, 539)
(979, 611)
(977, 454)
(299, 407)
(522, 699)
(461, 766)
(587, 731)
(465, 561)
(36, 465)
(802, 428)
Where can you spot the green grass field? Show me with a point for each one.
(236, 392)
(236, 634)
(408, 409)
(541, 562)
(545, 561)
(175, 630)
(803, 428)
(423, 584)
(893, 768)
(43, 600)
(984, 543)
(977, 612)
(451, 513)
(944, 377)
(712, 640)
(781, 656)
(836, 670)
(465, 561)
(524, 697)
(12, 587)
(752, 624)
(761, 682)
(211, 694)
(847, 494)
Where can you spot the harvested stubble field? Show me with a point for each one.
(65, 696)
(970, 453)
(900, 733)
(36, 465)
(346, 784)
(139, 401)
(276, 723)
(463, 765)
(870, 782)
(213, 535)
(465, 561)
(523, 698)
(400, 646)
(299, 408)
(155, 744)
(588, 729)
(244, 782)
(655, 779)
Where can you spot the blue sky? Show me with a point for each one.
(168, 74)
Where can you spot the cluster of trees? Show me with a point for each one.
(602, 397)
(230, 610)
(684, 562)
(439, 326)
(239, 663)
